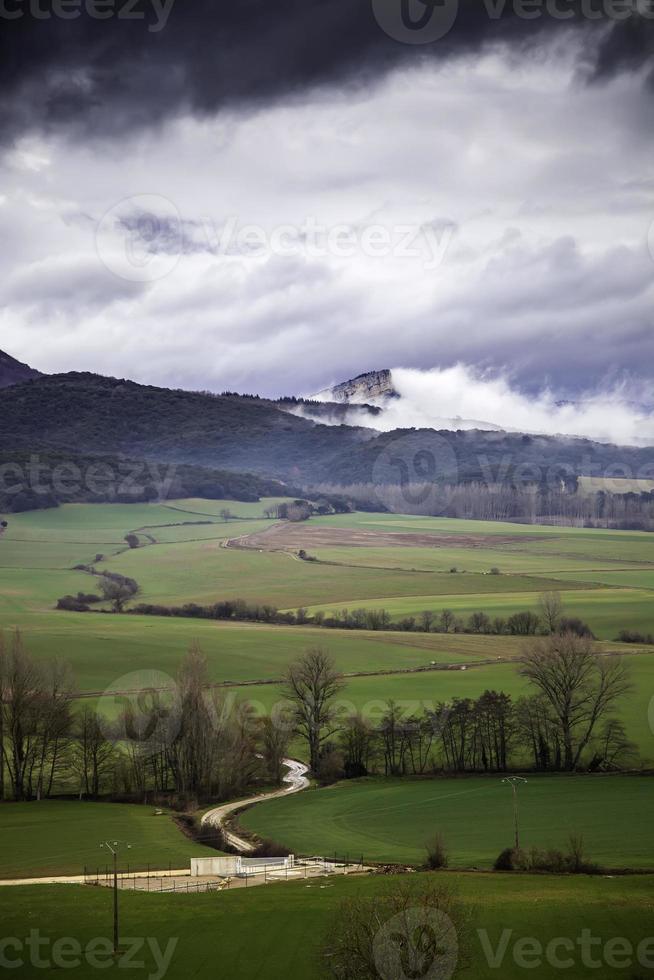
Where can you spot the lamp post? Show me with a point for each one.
(514, 782)
(114, 846)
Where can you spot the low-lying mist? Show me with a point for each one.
(463, 397)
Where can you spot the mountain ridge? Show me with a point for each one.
(13, 372)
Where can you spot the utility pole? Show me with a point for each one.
(514, 782)
(114, 847)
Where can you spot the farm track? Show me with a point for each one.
(296, 781)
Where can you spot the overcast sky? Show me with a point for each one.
(484, 199)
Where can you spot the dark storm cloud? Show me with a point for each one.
(118, 73)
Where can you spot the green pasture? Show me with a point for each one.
(606, 610)
(277, 930)
(391, 819)
(102, 648)
(55, 837)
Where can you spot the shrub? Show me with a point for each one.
(71, 603)
(576, 626)
(523, 623)
(632, 636)
(509, 860)
(355, 947)
(269, 848)
(549, 860)
(436, 853)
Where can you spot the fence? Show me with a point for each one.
(104, 874)
(256, 870)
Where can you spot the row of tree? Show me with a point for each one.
(559, 502)
(547, 619)
(195, 741)
(191, 740)
(564, 722)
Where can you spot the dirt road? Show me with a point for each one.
(294, 782)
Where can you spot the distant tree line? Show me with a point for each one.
(188, 743)
(532, 503)
(118, 590)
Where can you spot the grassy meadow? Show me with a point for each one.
(55, 837)
(392, 819)
(277, 930)
(605, 578)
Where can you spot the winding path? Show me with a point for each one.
(295, 781)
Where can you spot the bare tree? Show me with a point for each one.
(3, 673)
(93, 754)
(579, 687)
(35, 710)
(613, 749)
(311, 684)
(416, 929)
(54, 722)
(275, 735)
(550, 606)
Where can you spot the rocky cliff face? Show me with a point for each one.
(12, 372)
(366, 387)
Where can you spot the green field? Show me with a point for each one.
(605, 577)
(605, 609)
(390, 820)
(54, 837)
(277, 930)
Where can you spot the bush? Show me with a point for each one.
(210, 836)
(632, 636)
(509, 860)
(377, 935)
(523, 624)
(551, 860)
(71, 603)
(436, 853)
(269, 848)
(576, 626)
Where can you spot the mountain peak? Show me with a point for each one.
(13, 372)
(371, 385)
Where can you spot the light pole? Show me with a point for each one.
(114, 846)
(514, 782)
